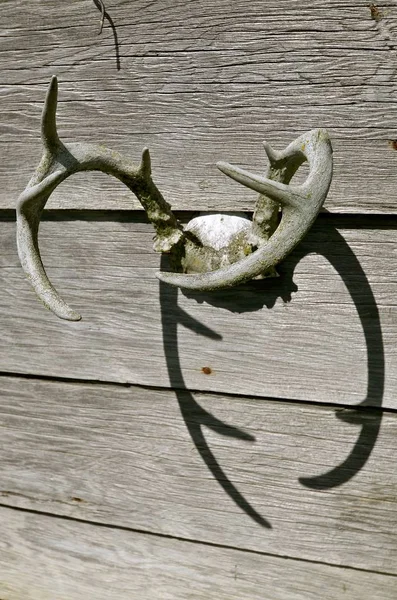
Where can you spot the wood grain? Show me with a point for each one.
(201, 82)
(325, 331)
(43, 558)
(301, 481)
(214, 496)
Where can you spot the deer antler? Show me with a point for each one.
(214, 248)
(300, 206)
(59, 161)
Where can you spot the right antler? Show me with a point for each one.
(300, 206)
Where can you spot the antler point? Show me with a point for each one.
(49, 132)
(271, 154)
(146, 162)
(223, 166)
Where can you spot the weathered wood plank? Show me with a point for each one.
(313, 334)
(269, 476)
(44, 557)
(200, 82)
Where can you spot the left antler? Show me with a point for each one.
(59, 162)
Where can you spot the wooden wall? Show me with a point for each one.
(236, 445)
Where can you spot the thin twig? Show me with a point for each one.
(100, 5)
(105, 15)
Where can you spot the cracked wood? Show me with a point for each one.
(313, 334)
(70, 561)
(202, 82)
(128, 457)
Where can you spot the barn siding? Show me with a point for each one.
(234, 445)
(258, 475)
(201, 82)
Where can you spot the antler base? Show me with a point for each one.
(219, 240)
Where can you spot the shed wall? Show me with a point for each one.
(200, 446)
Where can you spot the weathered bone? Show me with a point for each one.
(215, 267)
(300, 207)
(59, 161)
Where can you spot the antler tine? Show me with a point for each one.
(49, 132)
(273, 155)
(29, 208)
(37, 194)
(301, 204)
(279, 192)
(303, 149)
(316, 148)
(145, 167)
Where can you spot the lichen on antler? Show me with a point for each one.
(300, 205)
(59, 161)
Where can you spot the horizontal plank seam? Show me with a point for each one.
(347, 220)
(295, 401)
(191, 541)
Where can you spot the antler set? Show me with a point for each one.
(214, 251)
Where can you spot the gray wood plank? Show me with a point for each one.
(300, 481)
(325, 331)
(200, 82)
(43, 558)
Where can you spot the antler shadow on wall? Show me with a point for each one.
(255, 296)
